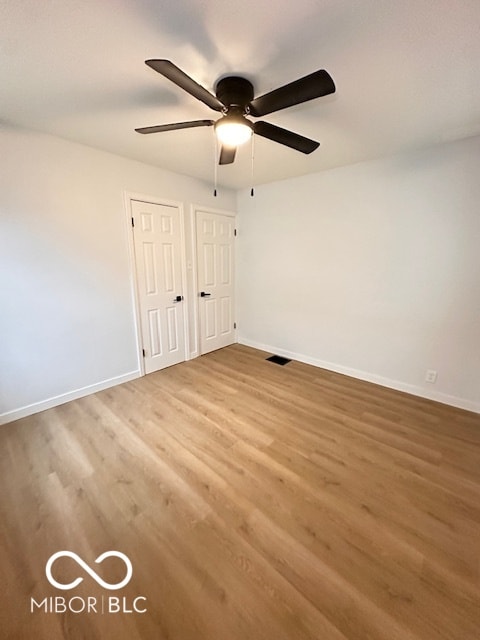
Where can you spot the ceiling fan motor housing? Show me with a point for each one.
(234, 91)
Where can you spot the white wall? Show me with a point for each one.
(371, 270)
(67, 315)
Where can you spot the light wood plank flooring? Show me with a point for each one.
(255, 502)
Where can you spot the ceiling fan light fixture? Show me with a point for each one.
(233, 130)
(235, 98)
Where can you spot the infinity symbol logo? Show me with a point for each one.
(91, 572)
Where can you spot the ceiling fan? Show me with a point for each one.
(234, 98)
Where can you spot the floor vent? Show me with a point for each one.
(279, 360)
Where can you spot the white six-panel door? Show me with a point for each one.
(215, 275)
(158, 260)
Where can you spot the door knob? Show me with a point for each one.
(178, 299)
(204, 294)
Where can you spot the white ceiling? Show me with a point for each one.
(406, 71)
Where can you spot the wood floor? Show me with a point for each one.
(254, 501)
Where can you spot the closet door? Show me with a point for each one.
(215, 269)
(158, 260)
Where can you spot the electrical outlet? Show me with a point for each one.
(431, 376)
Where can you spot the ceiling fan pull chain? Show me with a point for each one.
(252, 190)
(215, 163)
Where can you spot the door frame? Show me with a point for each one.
(130, 196)
(196, 309)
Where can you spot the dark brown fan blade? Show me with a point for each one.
(317, 84)
(176, 125)
(176, 75)
(283, 136)
(227, 155)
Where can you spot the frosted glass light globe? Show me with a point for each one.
(232, 132)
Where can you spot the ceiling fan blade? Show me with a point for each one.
(283, 136)
(227, 155)
(317, 84)
(177, 76)
(176, 125)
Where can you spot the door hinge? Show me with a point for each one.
(143, 353)
(234, 232)
(234, 325)
(133, 222)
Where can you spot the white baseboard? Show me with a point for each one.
(444, 398)
(461, 403)
(36, 407)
